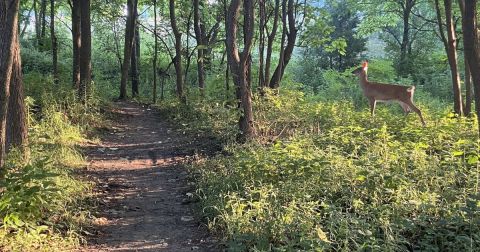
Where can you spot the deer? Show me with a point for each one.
(380, 92)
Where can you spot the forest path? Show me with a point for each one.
(143, 187)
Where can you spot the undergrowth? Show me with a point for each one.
(44, 206)
(325, 175)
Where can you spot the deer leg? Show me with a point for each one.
(416, 110)
(405, 107)
(373, 104)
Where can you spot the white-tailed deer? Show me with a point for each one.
(379, 92)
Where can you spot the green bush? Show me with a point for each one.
(327, 176)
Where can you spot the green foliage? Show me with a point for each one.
(325, 176)
(42, 204)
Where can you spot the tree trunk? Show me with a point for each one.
(201, 44)
(155, 53)
(291, 34)
(8, 29)
(404, 64)
(127, 50)
(261, 44)
(53, 38)
(178, 53)
(450, 45)
(468, 89)
(16, 117)
(239, 62)
(85, 51)
(471, 46)
(43, 23)
(452, 59)
(37, 23)
(76, 40)
(135, 61)
(270, 40)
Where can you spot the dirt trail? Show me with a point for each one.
(145, 194)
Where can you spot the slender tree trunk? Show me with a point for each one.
(117, 46)
(8, 29)
(201, 44)
(135, 61)
(155, 53)
(453, 59)
(127, 51)
(16, 117)
(287, 52)
(472, 49)
(76, 40)
(178, 52)
(450, 45)
(261, 44)
(85, 51)
(240, 63)
(275, 81)
(43, 23)
(37, 23)
(27, 20)
(404, 64)
(270, 40)
(53, 38)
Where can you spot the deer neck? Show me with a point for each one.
(364, 79)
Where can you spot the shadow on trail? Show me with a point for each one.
(142, 187)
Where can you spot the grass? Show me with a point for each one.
(324, 175)
(44, 205)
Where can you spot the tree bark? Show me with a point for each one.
(155, 53)
(127, 50)
(472, 49)
(16, 117)
(239, 62)
(178, 53)
(8, 29)
(53, 38)
(450, 44)
(85, 51)
(404, 64)
(468, 89)
(270, 40)
(43, 23)
(286, 55)
(76, 40)
(261, 44)
(135, 60)
(201, 44)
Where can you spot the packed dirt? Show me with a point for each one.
(145, 198)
